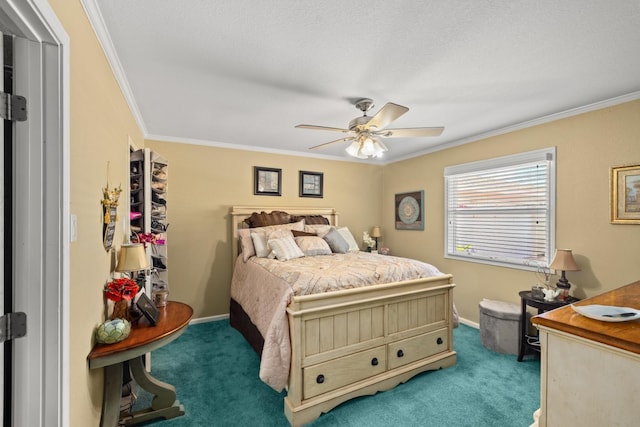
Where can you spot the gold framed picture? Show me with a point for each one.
(409, 211)
(625, 194)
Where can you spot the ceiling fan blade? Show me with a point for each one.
(410, 132)
(322, 128)
(349, 138)
(386, 115)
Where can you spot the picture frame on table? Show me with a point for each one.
(409, 210)
(147, 308)
(625, 194)
(311, 184)
(267, 181)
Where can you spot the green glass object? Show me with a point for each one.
(113, 331)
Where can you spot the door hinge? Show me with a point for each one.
(12, 326)
(13, 107)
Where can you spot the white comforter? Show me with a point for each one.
(264, 287)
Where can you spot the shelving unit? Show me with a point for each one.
(148, 188)
(158, 221)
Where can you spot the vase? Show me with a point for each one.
(121, 310)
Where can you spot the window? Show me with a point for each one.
(502, 211)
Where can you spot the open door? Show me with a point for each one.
(34, 238)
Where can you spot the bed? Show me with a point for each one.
(325, 343)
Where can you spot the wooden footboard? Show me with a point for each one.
(360, 341)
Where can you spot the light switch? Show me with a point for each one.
(73, 228)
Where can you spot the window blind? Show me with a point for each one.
(500, 211)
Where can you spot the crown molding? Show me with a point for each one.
(633, 96)
(97, 23)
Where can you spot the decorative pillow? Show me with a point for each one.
(271, 228)
(311, 219)
(336, 242)
(263, 219)
(285, 248)
(319, 229)
(261, 239)
(313, 245)
(297, 233)
(348, 237)
(260, 245)
(246, 244)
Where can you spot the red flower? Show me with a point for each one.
(121, 289)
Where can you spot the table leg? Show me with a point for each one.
(164, 403)
(523, 329)
(112, 393)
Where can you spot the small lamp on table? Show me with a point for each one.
(563, 261)
(133, 259)
(375, 233)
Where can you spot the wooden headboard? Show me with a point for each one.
(240, 213)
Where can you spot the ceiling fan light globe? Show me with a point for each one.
(379, 151)
(353, 149)
(368, 147)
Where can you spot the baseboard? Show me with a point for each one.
(469, 323)
(209, 319)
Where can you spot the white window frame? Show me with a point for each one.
(450, 172)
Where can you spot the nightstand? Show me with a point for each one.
(530, 343)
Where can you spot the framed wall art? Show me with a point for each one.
(311, 184)
(625, 194)
(409, 211)
(267, 181)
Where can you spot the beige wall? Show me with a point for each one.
(204, 182)
(587, 146)
(101, 125)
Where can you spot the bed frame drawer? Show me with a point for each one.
(412, 349)
(334, 374)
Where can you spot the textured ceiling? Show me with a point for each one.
(245, 72)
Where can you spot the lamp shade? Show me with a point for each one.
(132, 258)
(375, 232)
(563, 261)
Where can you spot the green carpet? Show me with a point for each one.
(215, 373)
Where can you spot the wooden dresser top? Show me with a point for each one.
(623, 335)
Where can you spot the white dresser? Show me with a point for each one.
(590, 370)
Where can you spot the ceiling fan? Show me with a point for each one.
(366, 132)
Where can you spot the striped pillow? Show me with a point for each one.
(285, 248)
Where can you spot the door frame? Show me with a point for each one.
(41, 358)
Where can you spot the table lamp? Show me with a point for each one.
(375, 233)
(563, 261)
(132, 258)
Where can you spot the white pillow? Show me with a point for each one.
(313, 245)
(246, 238)
(351, 241)
(285, 248)
(320, 229)
(271, 228)
(260, 245)
(261, 240)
